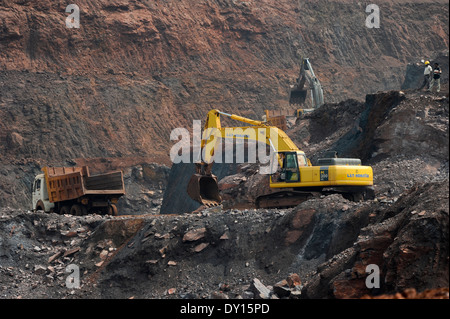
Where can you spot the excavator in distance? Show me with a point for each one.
(299, 91)
(295, 178)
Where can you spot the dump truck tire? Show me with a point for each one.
(78, 210)
(112, 210)
(40, 206)
(64, 210)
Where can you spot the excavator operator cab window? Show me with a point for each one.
(290, 168)
(290, 161)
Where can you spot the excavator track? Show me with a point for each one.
(287, 199)
(283, 199)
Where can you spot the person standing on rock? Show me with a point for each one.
(426, 75)
(436, 78)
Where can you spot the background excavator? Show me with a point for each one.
(306, 81)
(290, 171)
(298, 92)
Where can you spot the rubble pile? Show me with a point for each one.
(318, 249)
(36, 248)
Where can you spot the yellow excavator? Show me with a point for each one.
(290, 171)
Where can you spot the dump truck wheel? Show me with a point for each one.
(112, 210)
(40, 206)
(64, 210)
(78, 210)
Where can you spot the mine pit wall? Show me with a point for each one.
(111, 103)
(377, 109)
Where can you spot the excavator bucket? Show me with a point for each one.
(204, 189)
(297, 96)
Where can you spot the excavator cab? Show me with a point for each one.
(290, 171)
(290, 168)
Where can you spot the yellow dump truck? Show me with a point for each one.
(73, 190)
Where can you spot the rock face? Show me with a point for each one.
(110, 93)
(408, 242)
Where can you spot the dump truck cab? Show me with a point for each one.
(39, 195)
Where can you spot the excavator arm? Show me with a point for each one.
(259, 131)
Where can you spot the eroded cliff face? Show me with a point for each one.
(116, 87)
(135, 70)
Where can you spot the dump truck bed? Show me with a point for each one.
(68, 183)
